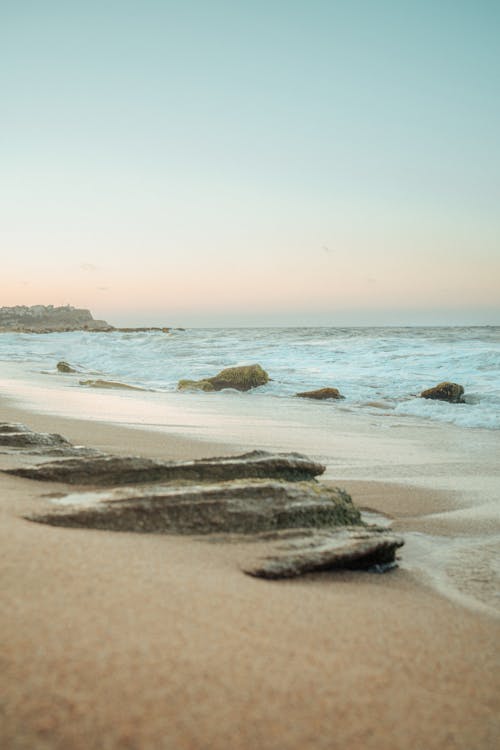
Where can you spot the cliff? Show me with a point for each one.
(48, 319)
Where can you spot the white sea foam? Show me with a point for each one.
(377, 369)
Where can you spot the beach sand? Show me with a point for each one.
(142, 642)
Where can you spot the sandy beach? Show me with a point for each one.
(122, 640)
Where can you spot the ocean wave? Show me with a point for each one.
(367, 365)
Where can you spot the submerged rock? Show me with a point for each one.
(64, 367)
(321, 394)
(195, 385)
(243, 506)
(354, 549)
(241, 378)
(110, 384)
(452, 392)
(116, 470)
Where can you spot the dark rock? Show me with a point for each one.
(64, 367)
(321, 394)
(241, 506)
(241, 378)
(110, 384)
(353, 549)
(452, 392)
(115, 470)
(30, 439)
(6, 427)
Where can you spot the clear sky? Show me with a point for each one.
(210, 162)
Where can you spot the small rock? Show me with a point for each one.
(241, 378)
(115, 470)
(64, 367)
(321, 394)
(352, 549)
(452, 392)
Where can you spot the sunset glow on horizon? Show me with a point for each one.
(234, 164)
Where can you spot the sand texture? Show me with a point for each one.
(115, 640)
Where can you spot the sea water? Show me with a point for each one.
(376, 369)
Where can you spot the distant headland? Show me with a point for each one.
(50, 319)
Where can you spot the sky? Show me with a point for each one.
(205, 162)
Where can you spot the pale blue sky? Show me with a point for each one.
(207, 162)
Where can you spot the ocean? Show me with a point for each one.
(378, 370)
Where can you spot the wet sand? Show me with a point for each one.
(119, 640)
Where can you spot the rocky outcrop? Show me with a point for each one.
(452, 392)
(7, 427)
(16, 438)
(351, 549)
(48, 319)
(28, 439)
(110, 384)
(108, 470)
(291, 523)
(321, 394)
(243, 506)
(241, 378)
(64, 367)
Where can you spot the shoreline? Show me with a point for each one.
(121, 640)
(444, 503)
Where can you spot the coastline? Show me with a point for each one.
(120, 640)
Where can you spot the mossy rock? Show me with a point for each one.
(64, 367)
(321, 394)
(451, 392)
(240, 378)
(195, 385)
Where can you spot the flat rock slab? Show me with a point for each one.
(119, 470)
(247, 506)
(352, 549)
(7, 427)
(28, 439)
(16, 438)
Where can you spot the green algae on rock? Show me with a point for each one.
(64, 367)
(321, 394)
(242, 378)
(451, 392)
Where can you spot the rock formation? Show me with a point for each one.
(452, 392)
(243, 506)
(291, 523)
(26, 438)
(241, 378)
(50, 319)
(321, 394)
(109, 470)
(19, 439)
(350, 548)
(64, 367)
